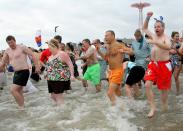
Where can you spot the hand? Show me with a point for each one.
(72, 78)
(150, 14)
(76, 57)
(172, 51)
(76, 54)
(38, 69)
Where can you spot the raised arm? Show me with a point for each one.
(146, 23)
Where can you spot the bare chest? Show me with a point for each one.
(15, 54)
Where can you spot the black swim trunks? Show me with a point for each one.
(135, 75)
(21, 77)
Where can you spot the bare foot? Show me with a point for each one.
(151, 113)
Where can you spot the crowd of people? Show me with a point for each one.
(157, 57)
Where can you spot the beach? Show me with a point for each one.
(87, 111)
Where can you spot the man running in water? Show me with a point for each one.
(93, 68)
(16, 55)
(159, 69)
(114, 56)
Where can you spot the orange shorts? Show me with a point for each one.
(116, 75)
(159, 73)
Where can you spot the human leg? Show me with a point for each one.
(17, 92)
(59, 99)
(150, 98)
(177, 70)
(164, 100)
(111, 93)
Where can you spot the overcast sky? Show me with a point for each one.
(79, 19)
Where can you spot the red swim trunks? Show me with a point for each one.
(159, 73)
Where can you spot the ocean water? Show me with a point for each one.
(87, 111)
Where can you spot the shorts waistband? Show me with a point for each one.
(119, 68)
(93, 64)
(160, 61)
(22, 70)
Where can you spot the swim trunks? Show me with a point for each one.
(93, 74)
(159, 73)
(116, 75)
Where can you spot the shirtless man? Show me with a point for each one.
(93, 68)
(159, 69)
(114, 56)
(16, 55)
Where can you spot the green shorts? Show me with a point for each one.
(93, 74)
